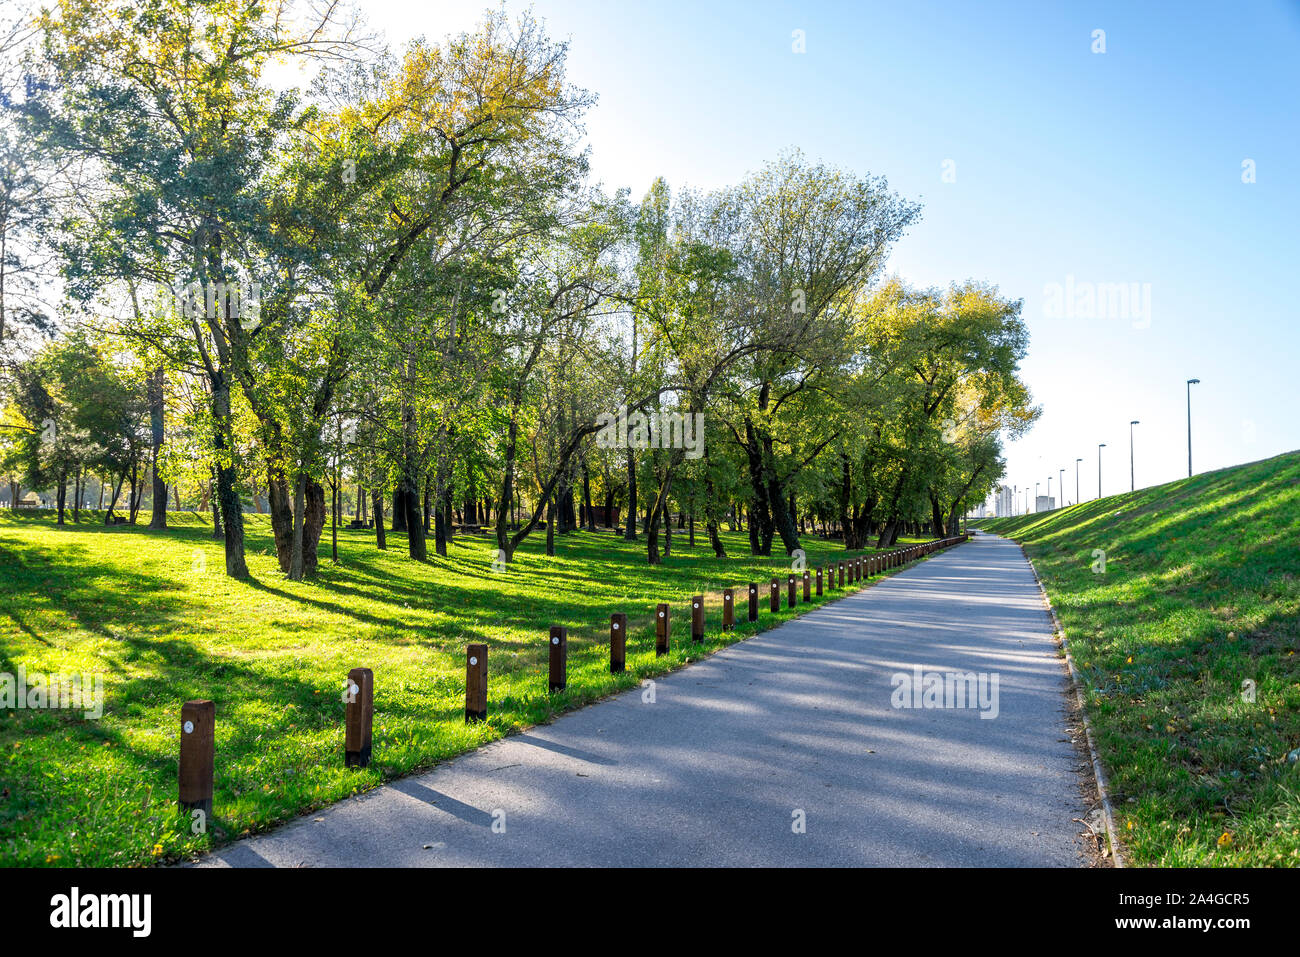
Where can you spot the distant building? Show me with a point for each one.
(1005, 504)
(1045, 503)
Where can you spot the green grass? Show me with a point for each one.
(156, 614)
(1199, 594)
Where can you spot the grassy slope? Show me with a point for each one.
(158, 615)
(1199, 593)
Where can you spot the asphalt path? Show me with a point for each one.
(798, 747)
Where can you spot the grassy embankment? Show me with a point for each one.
(1200, 592)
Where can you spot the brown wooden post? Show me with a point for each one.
(617, 643)
(753, 601)
(776, 594)
(198, 752)
(819, 581)
(559, 677)
(663, 627)
(728, 609)
(358, 718)
(841, 564)
(789, 592)
(475, 682)
(697, 618)
(807, 586)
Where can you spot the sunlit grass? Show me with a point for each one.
(157, 616)
(1199, 594)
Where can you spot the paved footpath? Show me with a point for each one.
(797, 719)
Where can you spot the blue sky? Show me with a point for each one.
(1115, 167)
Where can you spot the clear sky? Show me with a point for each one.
(1067, 167)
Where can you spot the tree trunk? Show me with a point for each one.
(399, 509)
(117, 490)
(377, 507)
(280, 504)
(550, 527)
(586, 498)
(232, 516)
(415, 543)
(62, 494)
(158, 518)
(630, 532)
(134, 500)
(295, 556)
(217, 532)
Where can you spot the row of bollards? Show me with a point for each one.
(198, 718)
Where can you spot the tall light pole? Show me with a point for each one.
(1061, 485)
(1049, 486)
(1077, 500)
(1190, 383)
(1015, 499)
(1132, 483)
(1036, 496)
(1100, 446)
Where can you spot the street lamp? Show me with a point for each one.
(1132, 484)
(1100, 446)
(1036, 496)
(1060, 485)
(1190, 383)
(1076, 481)
(1049, 486)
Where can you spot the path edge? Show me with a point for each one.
(1099, 772)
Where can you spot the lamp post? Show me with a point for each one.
(1190, 383)
(1132, 483)
(1076, 481)
(1060, 484)
(1100, 446)
(1036, 496)
(1049, 486)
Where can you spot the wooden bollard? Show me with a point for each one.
(475, 683)
(359, 715)
(663, 623)
(559, 641)
(807, 586)
(198, 752)
(819, 581)
(697, 618)
(617, 643)
(789, 592)
(753, 601)
(776, 594)
(728, 609)
(841, 574)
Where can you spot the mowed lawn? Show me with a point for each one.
(1200, 592)
(156, 615)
